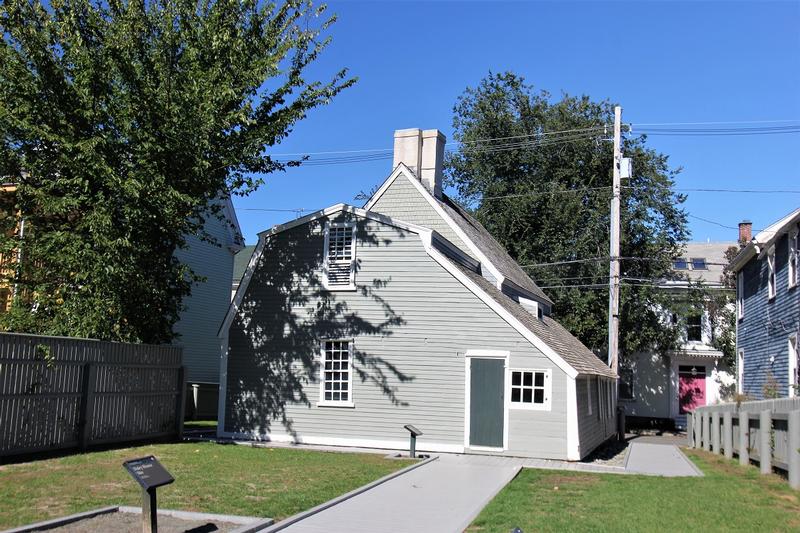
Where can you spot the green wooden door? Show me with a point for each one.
(486, 406)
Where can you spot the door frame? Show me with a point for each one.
(485, 354)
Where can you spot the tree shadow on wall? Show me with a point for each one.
(275, 339)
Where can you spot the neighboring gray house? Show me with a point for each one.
(768, 311)
(206, 308)
(659, 389)
(350, 323)
(240, 261)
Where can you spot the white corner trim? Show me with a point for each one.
(505, 315)
(573, 436)
(404, 171)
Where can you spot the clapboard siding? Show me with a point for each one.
(412, 323)
(205, 308)
(764, 331)
(599, 426)
(404, 202)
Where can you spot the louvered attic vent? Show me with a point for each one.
(340, 255)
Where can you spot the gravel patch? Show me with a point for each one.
(132, 523)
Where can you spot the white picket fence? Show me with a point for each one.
(764, 431)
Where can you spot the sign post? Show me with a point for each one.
(150, 475)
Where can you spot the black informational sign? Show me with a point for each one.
(148, 472)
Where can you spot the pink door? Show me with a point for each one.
(692, 388)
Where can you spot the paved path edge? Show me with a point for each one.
(484, 503)
(692, 463)
(283, 524)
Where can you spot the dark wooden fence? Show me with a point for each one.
(58, 392)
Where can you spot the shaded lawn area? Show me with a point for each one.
(199, 424)
(212, 478)
(728, 498)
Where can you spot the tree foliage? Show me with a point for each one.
(126, 124)
(546, 198)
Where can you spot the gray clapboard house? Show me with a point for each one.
(205, 308)
(351, 322)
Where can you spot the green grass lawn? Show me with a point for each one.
(212, 478)
(728, 498)
(199, 424)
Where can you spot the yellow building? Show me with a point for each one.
(7, 261)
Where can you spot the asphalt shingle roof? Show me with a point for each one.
(240, 261)
(573, 351)
(493, 250)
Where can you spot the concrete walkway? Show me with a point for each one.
(659, 460)
(441, 496)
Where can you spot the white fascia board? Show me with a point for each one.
(424, 233)
(744, 255)
(573, 435)
(505, 315)
(402, 170)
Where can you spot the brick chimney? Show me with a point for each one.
(745, 231)
(422, 152)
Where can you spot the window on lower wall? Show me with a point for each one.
(336, 376)
(626, 384)
(530, 389)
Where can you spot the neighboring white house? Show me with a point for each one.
(206, 308)
(350, 323)
(658, 389)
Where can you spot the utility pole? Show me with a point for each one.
(613, 276)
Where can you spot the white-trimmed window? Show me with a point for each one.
(340, 255)
(336, 373)
(793, 277)
(771, 278)
(740, 295)
(530, 389)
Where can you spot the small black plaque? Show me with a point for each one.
(148, 472)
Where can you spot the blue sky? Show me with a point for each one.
(664, 62)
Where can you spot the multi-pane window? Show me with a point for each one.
(699, 263)
(771, 280)
(694, 327)
(793, 277)
(680, 263)
(340, 255)
(530, 389)
(337, 376)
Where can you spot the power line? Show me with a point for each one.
(715, 123)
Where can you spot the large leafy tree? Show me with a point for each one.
(126, 124)
(546, 197)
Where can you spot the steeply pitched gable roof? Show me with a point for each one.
(493, 250)
(495, 257)
(573, 351)
(764, 239)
